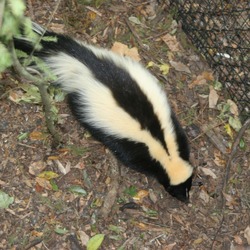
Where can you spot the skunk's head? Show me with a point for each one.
(177, 180)
(181, 191)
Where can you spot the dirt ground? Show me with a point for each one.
(87, 191)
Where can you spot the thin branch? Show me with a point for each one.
(234, 151)
(226, 178)
(42, 86)
(29, 59)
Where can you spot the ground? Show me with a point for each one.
(94, 194)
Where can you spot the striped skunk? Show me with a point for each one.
(122, 105)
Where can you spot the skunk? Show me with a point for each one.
(122, 105)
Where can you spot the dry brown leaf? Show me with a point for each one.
(230, 201)
(178, 66)
(247, 234)
(233, 107)
(178, 219)
(218, 160)
(37, 135)
(213, 98)
(208, 172)
(204, 196)
(123, 49)
(202, 79)
(44, 183)
(238, 240)
(169, 247)
(83, 237)
(140, 195)
(35, 168)
(171, 42)
(151, 227)
(36, 233)
(197, 241)
(61, 168)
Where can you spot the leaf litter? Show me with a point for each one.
(159, 221)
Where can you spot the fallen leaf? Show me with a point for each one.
(197, 241)
(238, 240)
(204, 196)
(62, 169)
(247, 234)
(44, 183)
(169, 247)
(202, 79)
(60, 230)
(123, 49)
(150, 64)
(208, 172)
(235, 123)
(35, 168)
(134, 19)
(95, 242)
(213, 98)
(37, 135)
(233, 107)
(164, 68)
(140, 195)
(5, 200)
(230, 201)
(48, 175)
(178, 218)
(78, 190)
(178, 66)
(218, 160)
(228, 129)
(171, 42)
(84, 238)
(36, 233)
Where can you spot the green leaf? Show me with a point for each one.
(31, 95)
(17, 7)
(48, 175)
(95, 242)
(9, 26)
(53, 185)
(5, 200)
(217, 86)
(78, 190)
(5, 58)
(164, 68)
(235, 123)
(61, 231)
(242, 143)
(23, 136)
(131, 191)
(150, 64)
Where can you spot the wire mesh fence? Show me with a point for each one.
(220, 29)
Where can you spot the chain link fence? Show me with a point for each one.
(220, 29)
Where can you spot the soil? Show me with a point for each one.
(88, 192)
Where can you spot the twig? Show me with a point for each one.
(42, 86)
(29, 59)
(25, 145)
(233, 152)
(226, 178)
(135, 34)
(33, 243)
